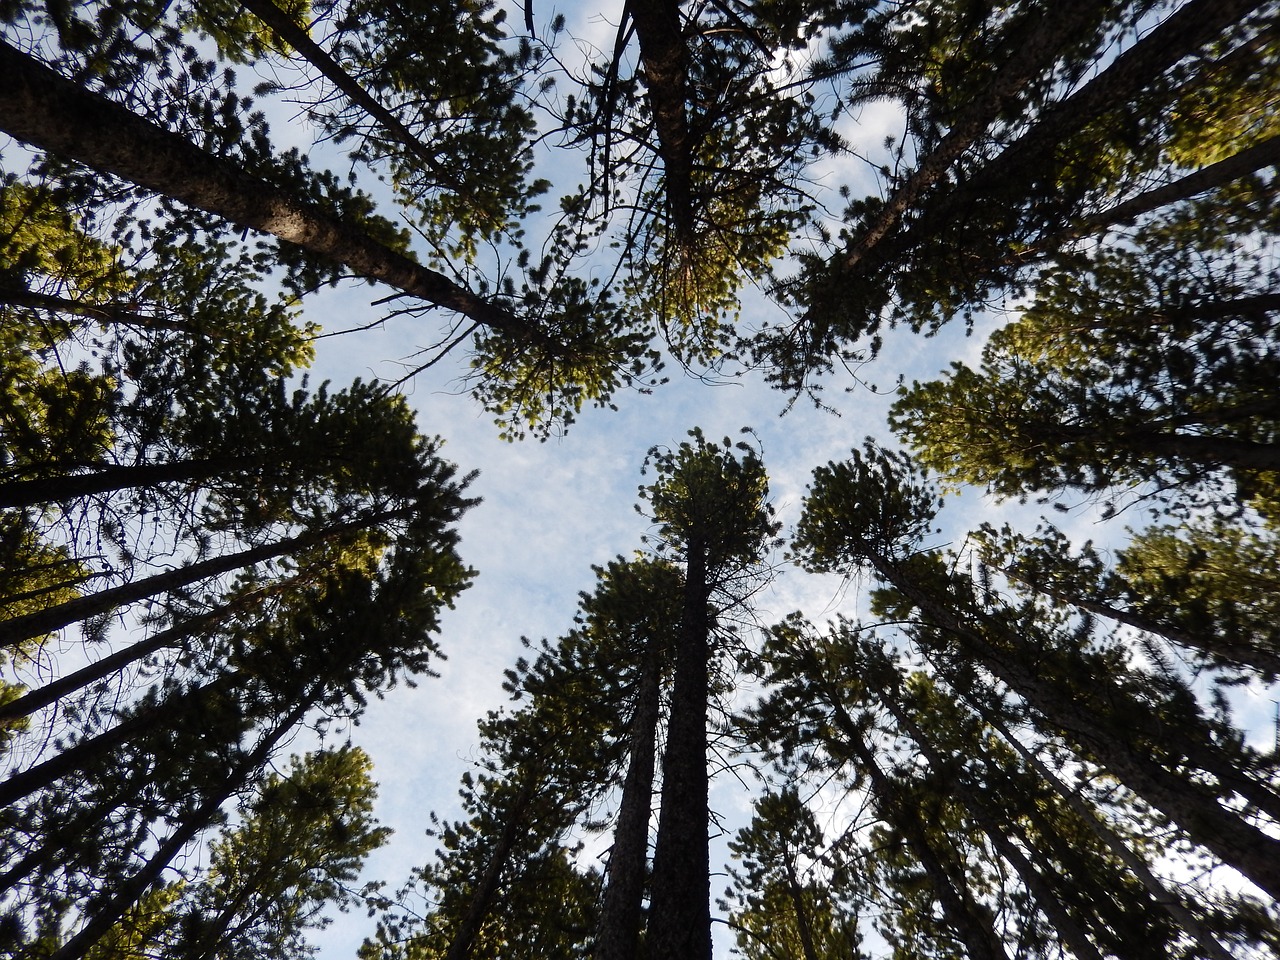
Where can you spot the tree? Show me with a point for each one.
(874, 510)
(711, 512)
(1145, 364)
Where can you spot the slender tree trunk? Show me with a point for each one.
(680, 901)
(1192, 806)
(18, 629)
(52, 113)
(1243, 654)
(805, 929)
(1162, 895)
(1247, 161)
(1046, 897)
(95, 748)
(971, 923)
(292, 33)
(620, 914)
(1180, 35)
(1037, 50)
(482, 897)
(103, 918)
(104, 313)
(111, 478)
(41, 697)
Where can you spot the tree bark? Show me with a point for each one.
(620, 914)
(1168, 900)
(48, 111)
(482, 897)
(112, 477)
(680, 902)
(665, 55)
(1182, 34)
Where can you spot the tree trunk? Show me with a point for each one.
(39, 698)
(297, 37)
(620, 914)
(111, 478)
(664, 54)
(1168, 900)
(1041, 890)
(1037, 50)
(50, 112)
(80, 754)
(680, 901)
(104, 917)
(970, 922)
(482, 898)
(1182, 34)
(15, 631)
(1192, 806)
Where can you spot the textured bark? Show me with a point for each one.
(37, 624)
(1167, 899)
(50, 112)
(1036, 52)
(680, 902)
(111, 478)
(620, 914)
(1046, 897)
(1182, 34)
(664, 54)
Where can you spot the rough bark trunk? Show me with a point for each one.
(50, 112)
(1038, 49)
(1168, 900)
(620, 914)
(111, 478)
(971, 924)
(680, 902)
(664, 54)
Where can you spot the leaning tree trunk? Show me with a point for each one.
(18, 629)
(102, 918)
(620, 915)
(1192, 806)
(50, 112)
(680, 902)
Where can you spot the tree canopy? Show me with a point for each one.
(1021, 741)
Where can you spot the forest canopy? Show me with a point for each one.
(1026, 743)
